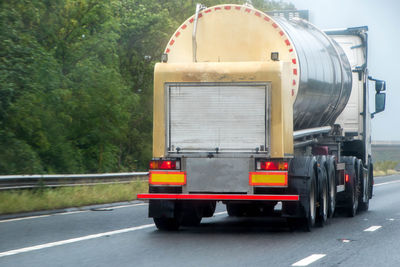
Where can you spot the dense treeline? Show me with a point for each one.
(76, 81)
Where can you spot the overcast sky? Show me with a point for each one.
(383, 19)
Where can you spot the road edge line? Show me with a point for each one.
(308, 260)
(72, 240)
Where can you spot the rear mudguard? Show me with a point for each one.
(344, 197)
(300, 173)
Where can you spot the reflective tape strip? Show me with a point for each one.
(268, 178)
(167, 178)
(218, 197)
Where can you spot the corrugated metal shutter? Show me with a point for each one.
(228, 117)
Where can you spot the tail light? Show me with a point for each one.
(272, 165)
(165, 165)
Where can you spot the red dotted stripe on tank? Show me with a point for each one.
(247, 10)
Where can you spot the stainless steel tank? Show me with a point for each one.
(320, 79)
(325, 77)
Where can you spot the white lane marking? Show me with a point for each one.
(73, 240)
(372, 228)
(68, 213)
(128, 206)
(309, 260)
(392, 182)
(220, 213)
(24, 218)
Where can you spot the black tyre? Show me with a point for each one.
(371, 180)
(294, 223)
(309, 220)
(191, 215)
(167, 224)
(332, 188)
(353, 193)
(236, 210)
(254, 210)
(322, 215)
(191, 220)
(268, 209)
(209, 209)
(363, 205)
(353, 205)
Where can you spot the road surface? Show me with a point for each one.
(124, 236)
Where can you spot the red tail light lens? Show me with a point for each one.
(164, 165)
(153, 165)
(346, 177)
(286, 165)
(167, 165)
(272, 166)
(269, 165)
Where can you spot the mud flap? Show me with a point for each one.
(162, 208)
(300, 171)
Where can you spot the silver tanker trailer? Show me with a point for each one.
(253, 110)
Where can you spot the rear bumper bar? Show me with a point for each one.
(218, 197)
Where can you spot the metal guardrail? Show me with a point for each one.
(59, 180)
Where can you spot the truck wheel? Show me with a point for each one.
(295, 223)
(268, 209)
(191, 215)
(353, 205)
(371, 180)
(254, 210)
(235, 210)
(209, 209)
(363, 206)
(191, 220)
(309, 220)
(332, 189)
(322, 217)
(241, 210)
(167, 224)
(353, 193)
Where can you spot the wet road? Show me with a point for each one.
(124, 236)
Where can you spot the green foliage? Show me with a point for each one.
(272, 5)
(76, 81)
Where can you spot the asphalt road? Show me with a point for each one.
(124, 236)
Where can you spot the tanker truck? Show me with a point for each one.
(253, 110)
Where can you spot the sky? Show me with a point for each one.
(383, 20)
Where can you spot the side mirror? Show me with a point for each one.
(380, 98)
(380, 86)
(380, 101)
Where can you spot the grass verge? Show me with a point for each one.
(382, 168)
(384, 173)
(15, 201)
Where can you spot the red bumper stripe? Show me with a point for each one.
(219, 197)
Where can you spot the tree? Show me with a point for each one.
(76, 81)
